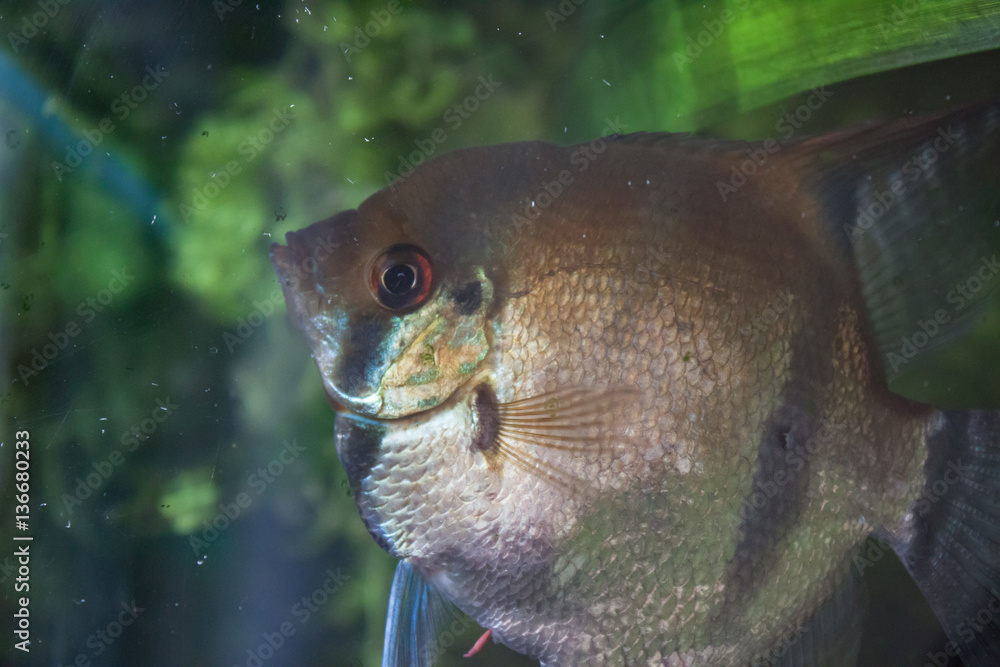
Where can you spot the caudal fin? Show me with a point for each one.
(950, 542)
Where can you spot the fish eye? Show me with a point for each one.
(401, 277)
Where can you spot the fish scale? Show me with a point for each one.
(672, 430)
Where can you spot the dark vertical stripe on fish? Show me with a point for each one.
(773, 506)
(363, 352)
(358, 445)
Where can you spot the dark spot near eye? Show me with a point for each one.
(488, 414)
(468, 298)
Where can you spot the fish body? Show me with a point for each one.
(622, 410)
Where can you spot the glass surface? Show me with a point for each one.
(186, 503)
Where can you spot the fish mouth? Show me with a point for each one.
(366, 407)
(347, 408)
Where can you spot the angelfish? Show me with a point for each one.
(620, 409)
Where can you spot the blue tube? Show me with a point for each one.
(113, 174)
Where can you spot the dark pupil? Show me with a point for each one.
(399, 279)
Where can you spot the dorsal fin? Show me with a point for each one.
(916, 203)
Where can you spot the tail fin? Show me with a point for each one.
(951, 539)
(916, 205)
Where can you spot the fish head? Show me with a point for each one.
(394, 297)
(395, 312)
(396, 301)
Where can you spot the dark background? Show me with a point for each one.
(196, 321)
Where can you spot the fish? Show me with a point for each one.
(626, 402)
